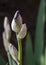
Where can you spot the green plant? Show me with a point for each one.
(20, 29)
(39, 39)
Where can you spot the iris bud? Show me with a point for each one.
(14, 53)
(22, 32)
(16, 22)
(7, 28)
(6, 44)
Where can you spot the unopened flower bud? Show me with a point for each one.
(7, 28)
(22, 32)
(5, 22)
(14, 53)
(6, 44)
(14, 26)
(16, 22)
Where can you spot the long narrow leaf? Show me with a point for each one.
(29, 51)
(39, 35)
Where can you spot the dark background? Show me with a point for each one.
(28, 10)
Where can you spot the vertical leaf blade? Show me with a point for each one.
(39, 35)
(28, 51)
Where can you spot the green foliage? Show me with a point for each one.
(2, 61)
(39, 35)
(35, 58)
(29, 51)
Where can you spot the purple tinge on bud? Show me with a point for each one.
(16, 14)
(16, 22)
(17, 17)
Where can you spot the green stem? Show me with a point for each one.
(9, 58)
(20, 51)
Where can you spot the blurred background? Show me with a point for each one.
(28, 10)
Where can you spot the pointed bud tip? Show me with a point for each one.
(5, 17)
(5, 21)
(16, 14)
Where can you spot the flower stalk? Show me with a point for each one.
(20, 51)
(21, 30)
